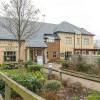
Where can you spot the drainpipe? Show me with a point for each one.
(81, 44)
(74, 44)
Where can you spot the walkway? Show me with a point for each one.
(87, 83)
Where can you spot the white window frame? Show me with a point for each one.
(86, 41)
(68, 40)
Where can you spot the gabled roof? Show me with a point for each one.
(67, 27)
(37, 39)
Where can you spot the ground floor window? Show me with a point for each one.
(54, 55)
(68, 55)
(9, 56)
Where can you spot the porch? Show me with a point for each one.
(34, 53)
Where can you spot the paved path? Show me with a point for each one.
(1, 97)
(87, 83)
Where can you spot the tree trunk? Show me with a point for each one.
(19, 50)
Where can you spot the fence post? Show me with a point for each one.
(7, 92)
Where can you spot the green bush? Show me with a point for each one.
(28, 81)
(28, 63)
(98, 61)
(39, 75)
(25, 80)
(60, 61)
(8, 66)
(66, 65)
(2, 87)
(83, 67)
(34, 67)
(93, 96)
(52, 85)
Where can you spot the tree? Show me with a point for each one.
(20, 19)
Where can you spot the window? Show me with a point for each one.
(54, 54)
(61, 54)
(68, 40)
(86, 41)
(68, 55)
(78, 41)
(50, 39)
(9, 56)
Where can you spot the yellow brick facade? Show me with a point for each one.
(11, 45)
(70, 47)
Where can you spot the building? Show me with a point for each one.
(70, 40)
(51, 41)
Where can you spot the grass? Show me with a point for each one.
(13, 71)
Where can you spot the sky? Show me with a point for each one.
(82, 13)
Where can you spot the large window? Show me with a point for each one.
(78, 41)
(86, 41)
(68, 40)
(9, 56)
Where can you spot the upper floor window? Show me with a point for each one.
(68, 40)
(86, 41)
(78, 41)
(50, 39)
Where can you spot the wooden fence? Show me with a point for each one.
(91, 59)
(22, 91)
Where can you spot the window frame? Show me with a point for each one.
(68, 40)
(78, 41)
(9, 56)
(86, 41)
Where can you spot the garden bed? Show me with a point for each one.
(48, 86)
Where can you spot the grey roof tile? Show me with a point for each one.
(37, 39)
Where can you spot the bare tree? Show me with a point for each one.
(20, 19)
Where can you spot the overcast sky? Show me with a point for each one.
(82, 13)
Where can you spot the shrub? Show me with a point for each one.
(50, 95)
(66, 64)
(60, 61)
(52, 85)
(39, 75)
(34, 67)
(93, 96)
(53, 77)
(28, 63)
(28, 81)
(8, 66)
(2, 87)
(98, 61)
(83, 67)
